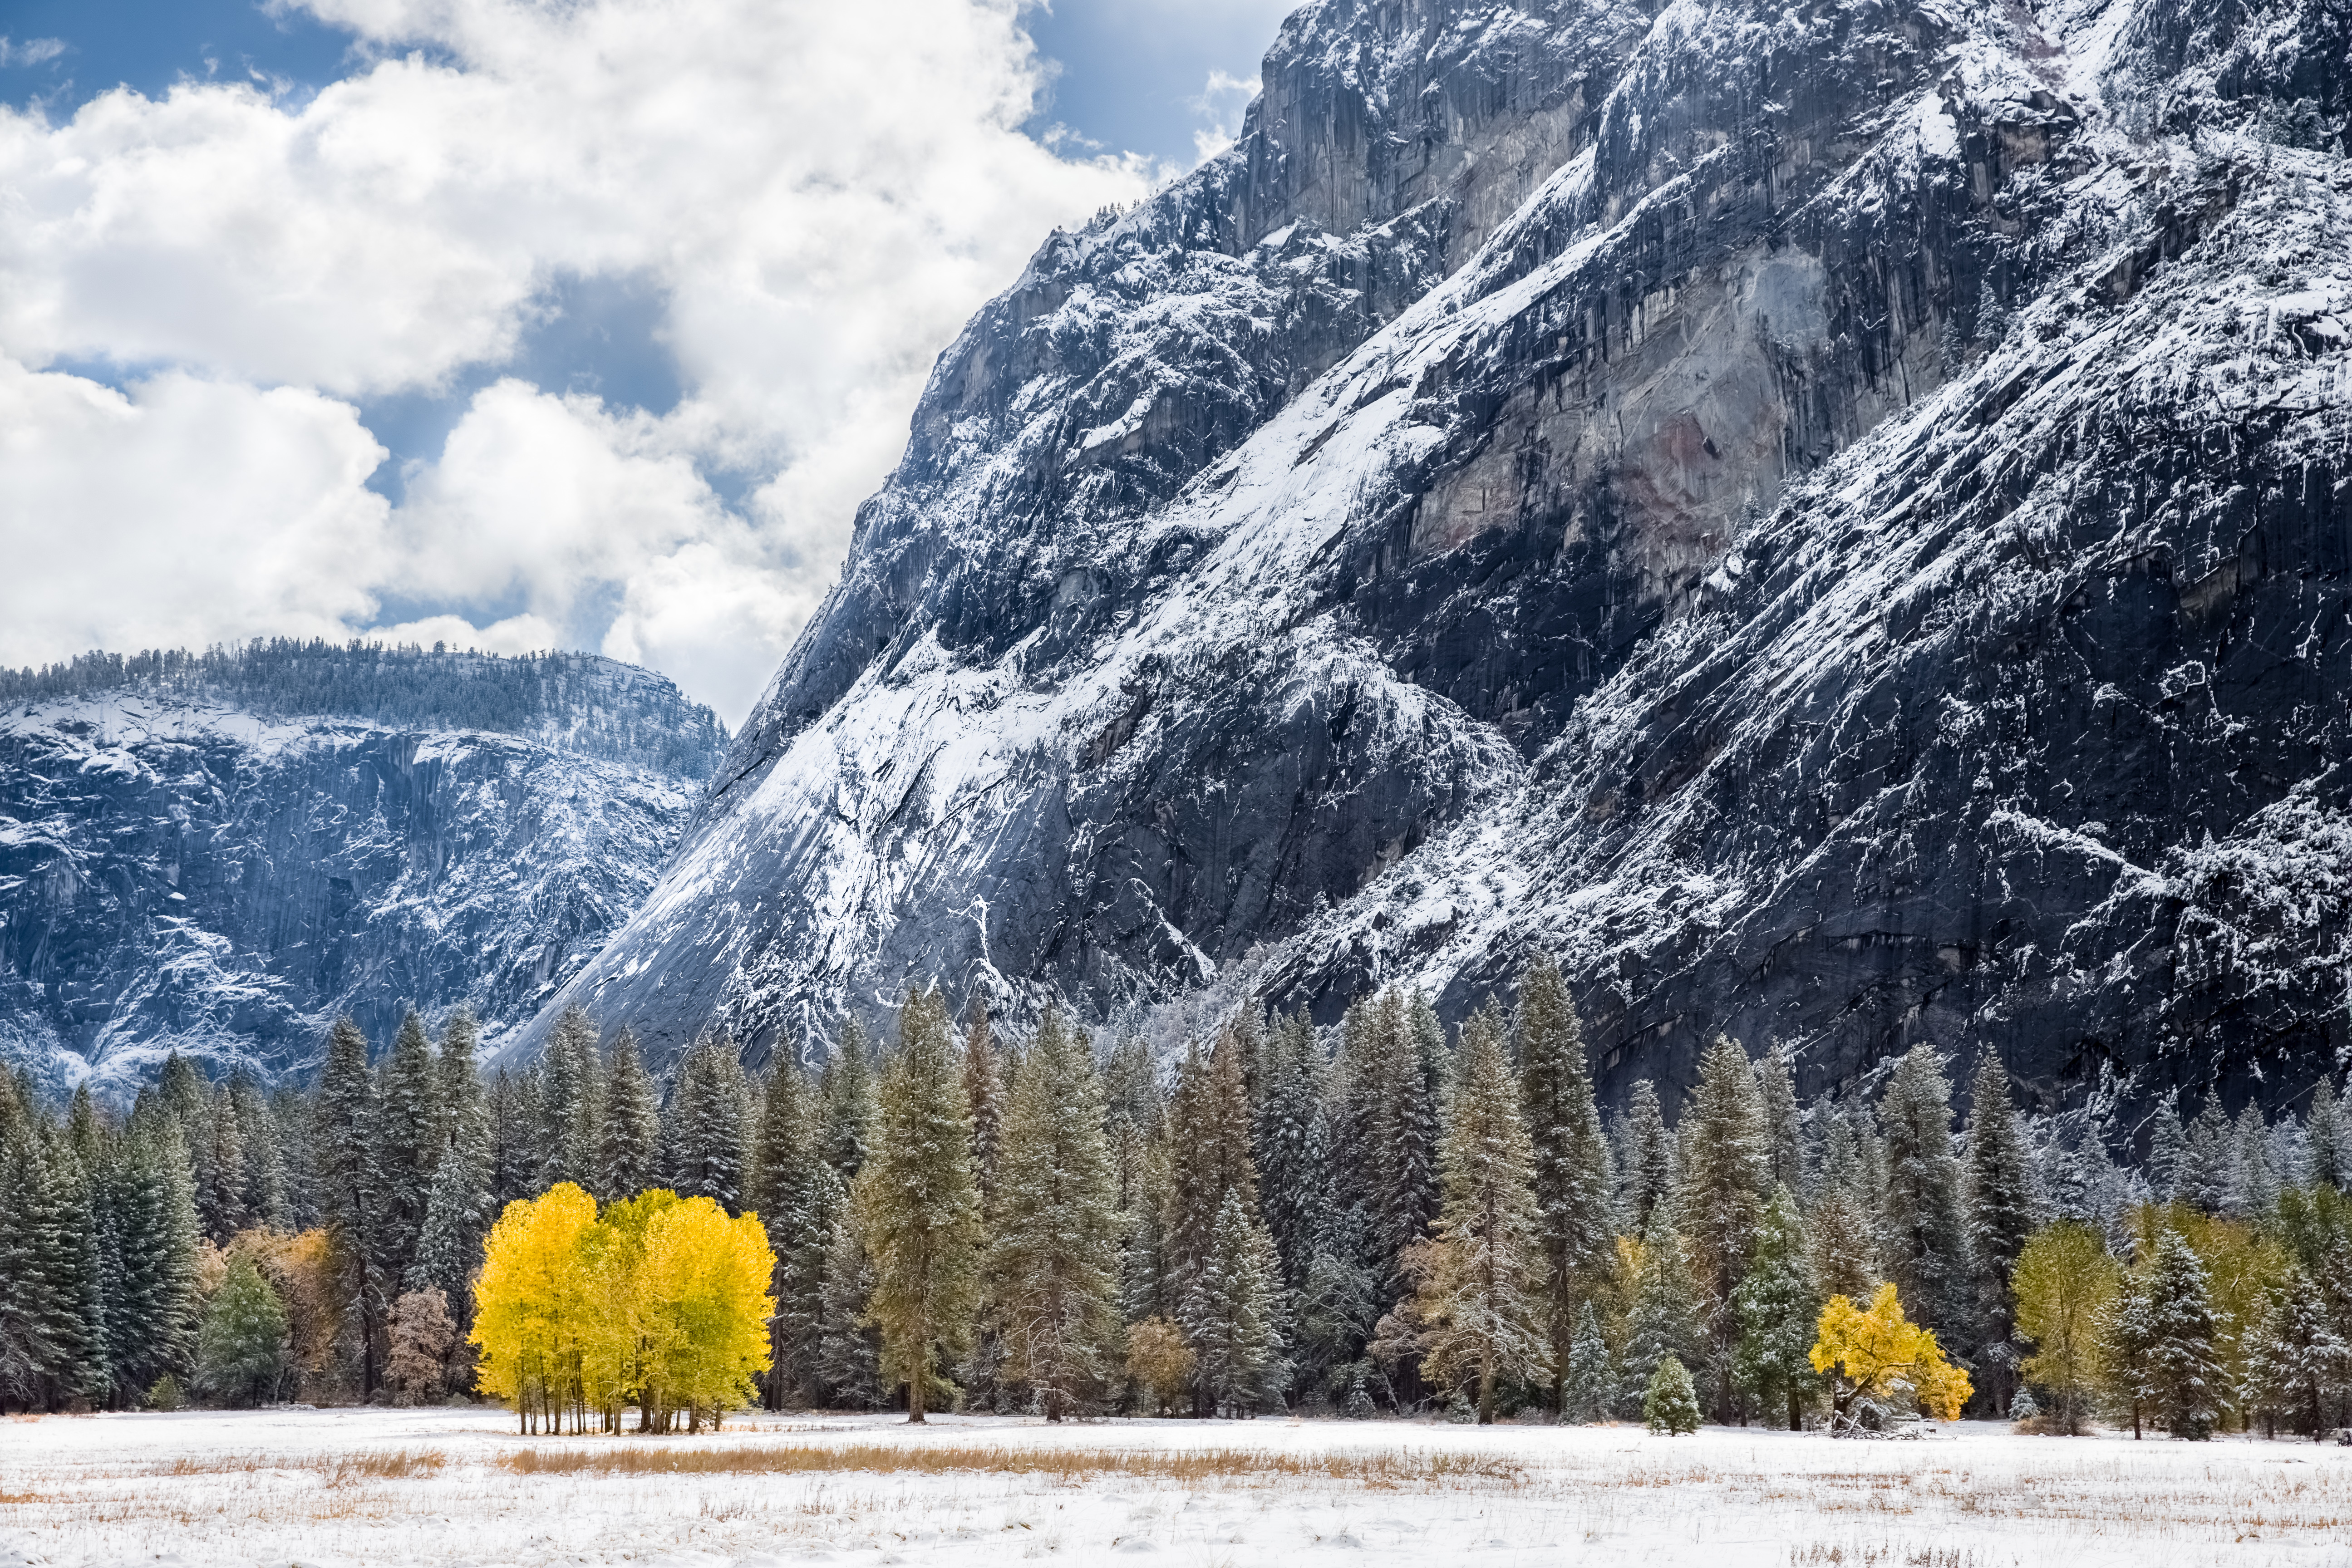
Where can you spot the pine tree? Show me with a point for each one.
(221, 1192)
(984, 1082)
(917, 1207)
(2203, 1176)
(449, 1243)
(182, 1089)
(147, 1211)
(708, 1125)
(628, 1143)
(267, 1198)
(569, 1093)
(1665, 1318)
(465, 1119)
(1146, 1287)
(514, 1159)
(2183, 1377)
(2254, 1189)
(799, 1199)
(1725, 1159)
(1926, 1224)
(405, 1147)
(1784, 1141)
(2299, 1364)
(1777, 1306)
(1209, 1156)
(1229, 1311)
(1648, 1165)
(849, 1352)
(24, 1350)
(2331, 1147)
(1054, 1288)
(1482, 1276)
(1670, 1405)
(1589, 1378)
(1571, 1173)
(348, 1185)
(1291, 1146)
(847, 1087)
(2001, 1214)
(2167, 1155)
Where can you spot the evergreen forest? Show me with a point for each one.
(1387, 1217)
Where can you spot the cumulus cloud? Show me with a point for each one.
(819, 194)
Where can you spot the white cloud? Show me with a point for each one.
(1224, 100)
(31, 52)
(184, 511)
(823, 193)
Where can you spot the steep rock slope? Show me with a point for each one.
(1826, 560)
(186, 864)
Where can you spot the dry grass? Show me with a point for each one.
(1069, 1465)
(339, 1469)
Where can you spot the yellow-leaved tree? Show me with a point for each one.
(1880, 1351)
(534, 1306)
(703, 1302)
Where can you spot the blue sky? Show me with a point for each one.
(387, 325)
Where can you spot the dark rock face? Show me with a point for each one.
(181, 873)
(1814, 514)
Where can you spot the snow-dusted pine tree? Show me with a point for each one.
(917, 1207)
(1924, 1222)
(847, 1090)
(1589, 1379)
(1784, 1126)
(708, 1124)
(1575, 1224)
(2001, 1214)
(569, 1092)
(1052, 1263)
(1724, 1162)
(1777, 1306)
(2298, 1364)
(628, 1142)
(2182, 1374)
(1229, 1315)
(1481, 1277)
(1646, 1168)
(1665, 1318)
(2326, 1131)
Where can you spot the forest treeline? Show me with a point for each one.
(1389, 1217)
(576, 703)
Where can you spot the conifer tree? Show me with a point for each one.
(1589, 1381)
(465, 1119)
(984, 1087)
(268, 1200)
(569, 1092)
(405, 1147)
(1229, 1312)
(1784, 1128)
(1648, 1165)
(449, 1245)
(1670, 1405)
(849, 1352)
(182, 1089)
(628, 1144)
(1926, 1224)
(917, 1207)
(2168, 1154)
(709, 1123)
(347, 1184)
(2299, 1362)
(1777, 1306)
(515, 1158)
(1725, 1159)
(1053, 1295)
(1291, 1146)
(1571, 1173)
(2203, 1174)
(1408, 1093)
(799, 1198)
(2000, 1216)
(221, 1192)
(2254, 1185)
(24, 1347)
(147, 1213)
(1481, 1277)
(2182, 1376)
(2330, 1142)
(1209, 1156)
(1665, 1318)
(847, 1089)
(1146, 1278)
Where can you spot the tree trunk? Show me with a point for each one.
(1796, 1411)
(1486, 1395)
(915, 1399)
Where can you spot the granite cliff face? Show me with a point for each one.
(199, 859)
(1831, 518)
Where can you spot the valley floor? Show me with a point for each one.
(451, 1487)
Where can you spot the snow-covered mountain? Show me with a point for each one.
(218, 854)
(1832, 517)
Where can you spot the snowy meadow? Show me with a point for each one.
(460, 1486)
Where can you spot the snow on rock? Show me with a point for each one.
(1817, 515)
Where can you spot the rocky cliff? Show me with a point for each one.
(218, 854)
(1832, 518)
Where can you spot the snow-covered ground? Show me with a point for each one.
(294, 1486)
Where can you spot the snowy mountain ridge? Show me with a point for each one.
(183, 872)
(1774, 504)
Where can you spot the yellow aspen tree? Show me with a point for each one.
(703, 1292)
(532, 1304)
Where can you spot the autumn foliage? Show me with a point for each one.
(1879, 1352)
(658, 1301)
